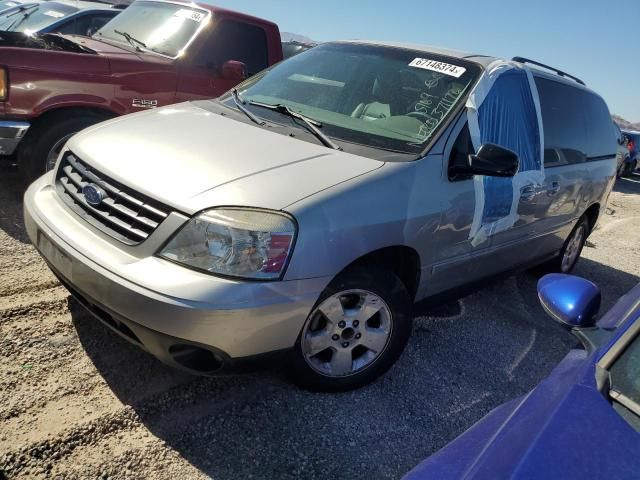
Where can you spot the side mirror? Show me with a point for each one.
(494, 161)
(234, 70)
(569, 300)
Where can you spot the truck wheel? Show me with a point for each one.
(355, 332)
(45, 141)
(571, 250)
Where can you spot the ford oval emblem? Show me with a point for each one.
(93, 194)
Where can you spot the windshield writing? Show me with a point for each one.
(367, 94)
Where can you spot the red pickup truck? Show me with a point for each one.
(154, 53)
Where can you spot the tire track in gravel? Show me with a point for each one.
(34, 304)
(120, 431)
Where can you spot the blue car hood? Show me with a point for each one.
(564, 428)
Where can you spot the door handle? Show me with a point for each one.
(553, 189)
(528, 193)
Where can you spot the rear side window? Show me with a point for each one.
(577, 124)
(235, 41)
(564, 123)
(601, 140)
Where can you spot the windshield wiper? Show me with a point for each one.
(20, 9)
(26, 10)
(312, 125)
(240, 104)
(132, 40)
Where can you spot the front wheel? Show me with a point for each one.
(355, 332)
(46, 140)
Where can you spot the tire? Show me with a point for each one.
(628, 169)
(45, 140)
(331, 353)
(571, 250)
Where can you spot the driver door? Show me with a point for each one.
(201, 72)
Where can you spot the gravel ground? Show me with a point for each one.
(79, 402)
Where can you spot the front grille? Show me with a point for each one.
(123, 213)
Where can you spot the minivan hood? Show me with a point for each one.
(193, 159)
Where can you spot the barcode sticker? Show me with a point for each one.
(440, 67)
(54, 14)
(190, 15)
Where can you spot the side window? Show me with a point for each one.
(96, 22)
(601, 130)
(459, 158)
(85, 25)
(565, 136)
(235, 41)
(75, 26)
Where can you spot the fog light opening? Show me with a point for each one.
(195, 358)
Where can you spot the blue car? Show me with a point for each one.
(581, 422)
(74, 17)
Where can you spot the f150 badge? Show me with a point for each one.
(144, 103)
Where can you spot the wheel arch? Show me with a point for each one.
(69, 111)
(402, 260)
(592, 214)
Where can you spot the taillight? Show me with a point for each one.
(630, 146)
(3, 83)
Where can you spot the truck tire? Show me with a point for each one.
(343, 345)
(45, 141)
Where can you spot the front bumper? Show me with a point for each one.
(165, 308)
(11, 133)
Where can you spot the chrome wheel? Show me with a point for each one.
(53, 154)
(573, 248)
(346, 333)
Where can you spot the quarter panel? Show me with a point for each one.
(581, 185)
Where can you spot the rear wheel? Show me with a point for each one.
(356, 331)
(571, 249)
(46, 140)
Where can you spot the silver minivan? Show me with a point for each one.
(305, 211)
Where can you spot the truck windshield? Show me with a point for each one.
(164, 28)
(390, 98)
(32, 17)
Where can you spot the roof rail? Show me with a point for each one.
(559, 72)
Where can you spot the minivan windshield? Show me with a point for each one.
(391, 98)
(162, 27)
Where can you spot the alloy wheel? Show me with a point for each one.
(346, 333)
(572, 250)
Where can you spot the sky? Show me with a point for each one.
(591, 39)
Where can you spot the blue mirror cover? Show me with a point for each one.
(570, 300)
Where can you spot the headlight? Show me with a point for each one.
(235, 242)
(3, 83)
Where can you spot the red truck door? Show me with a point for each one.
(200, 69)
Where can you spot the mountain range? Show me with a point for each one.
(625, 124)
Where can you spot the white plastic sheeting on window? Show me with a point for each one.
(504, 109)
